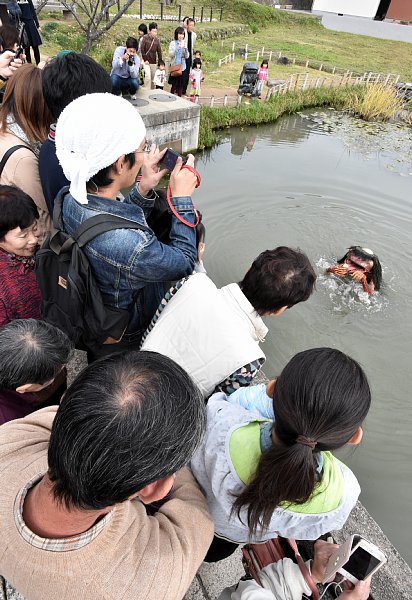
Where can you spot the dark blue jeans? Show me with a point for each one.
(124, 84)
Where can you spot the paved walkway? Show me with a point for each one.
(362, 26)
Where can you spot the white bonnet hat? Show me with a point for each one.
(92, 132)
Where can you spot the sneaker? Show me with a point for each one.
(133, 97)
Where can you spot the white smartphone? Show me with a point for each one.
(356, 559)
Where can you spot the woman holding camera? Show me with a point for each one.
(178, 53)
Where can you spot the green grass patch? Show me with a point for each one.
(227, 76)
(255, 113)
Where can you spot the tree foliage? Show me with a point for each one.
(94, 18)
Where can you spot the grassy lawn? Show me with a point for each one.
(227, 76)
(293, 34)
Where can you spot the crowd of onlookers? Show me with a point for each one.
(162, 453)
(140, 62)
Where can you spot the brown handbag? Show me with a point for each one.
(257, 556)
(175, 70)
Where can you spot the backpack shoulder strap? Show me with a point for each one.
(57, 212)
(9, 152)
(91, 228)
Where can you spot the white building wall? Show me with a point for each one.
(358, 8)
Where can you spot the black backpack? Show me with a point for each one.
(71, 298)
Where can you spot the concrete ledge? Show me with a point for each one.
(173, 121)
(394, 580)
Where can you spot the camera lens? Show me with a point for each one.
(130, 62)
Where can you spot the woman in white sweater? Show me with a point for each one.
(178, 53)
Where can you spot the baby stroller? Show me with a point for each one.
(248, 79)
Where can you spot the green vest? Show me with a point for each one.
(245, 453)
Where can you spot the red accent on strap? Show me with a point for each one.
(172, 208)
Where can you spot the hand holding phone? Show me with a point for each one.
(360, 591)
(322, 550)
(182, 181)
(170, 158)
(357, 559)
(151, 174)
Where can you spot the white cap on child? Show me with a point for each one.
(92, 132)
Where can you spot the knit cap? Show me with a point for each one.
(92, 132)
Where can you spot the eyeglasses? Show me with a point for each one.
(147, 147)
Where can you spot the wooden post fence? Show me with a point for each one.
(201, 15)
(179, 14)
(211, 13)
(221, 13)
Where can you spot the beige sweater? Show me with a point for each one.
(135, 557)
(22, 171)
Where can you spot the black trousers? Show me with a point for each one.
(219, 549)
(185, 74)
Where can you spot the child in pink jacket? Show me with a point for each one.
(262, 76)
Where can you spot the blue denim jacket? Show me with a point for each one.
(131, 265)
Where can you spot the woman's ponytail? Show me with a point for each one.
(320, 400)
(284, 474)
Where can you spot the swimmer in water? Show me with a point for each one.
(362, 265)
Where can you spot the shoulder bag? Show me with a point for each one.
(257, 556)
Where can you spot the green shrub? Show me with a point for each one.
(253, 28)
(49, 29)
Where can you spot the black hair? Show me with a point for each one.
(70, 76)
(196, 62)
(185, 19)
(127, 421)
(200, 233)
(161, 62)
(191, 20)
(31, 351)
(102, 178)
(132, 42)
(177, 31)
(17, 209)
(322, 395)
(9, 36)
(152, 26)
(198, 52)
(264, 62)
(376, 271)
(277, 278)
(142, 27)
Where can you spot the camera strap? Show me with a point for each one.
(172, 208)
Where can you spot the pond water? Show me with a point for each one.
(323, 181)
